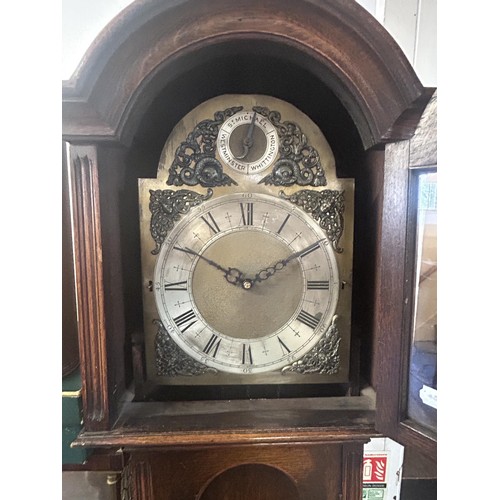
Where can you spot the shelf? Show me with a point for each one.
(218, 423)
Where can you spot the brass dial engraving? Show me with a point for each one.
(235, 328)
(237, 254)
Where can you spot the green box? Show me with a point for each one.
(72, 419)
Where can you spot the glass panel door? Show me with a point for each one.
(422, 383)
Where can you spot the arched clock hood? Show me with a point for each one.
(330, 48)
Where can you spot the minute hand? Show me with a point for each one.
(232, 275)
(304, 251)
(278, 266)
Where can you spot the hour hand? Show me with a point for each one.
(266, 273)
(232, 275)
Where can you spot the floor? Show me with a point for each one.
(80, 485)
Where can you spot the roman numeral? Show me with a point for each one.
(247, 214)
(308, 319)
(283, 346)
(184, 318)
(310, 250)
(247, 355)
(212, 224)
(318, 285)
(212, 344)
(284, 222)
(180, 285)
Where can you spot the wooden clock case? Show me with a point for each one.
(155, 62)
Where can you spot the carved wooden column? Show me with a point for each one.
(89, 284)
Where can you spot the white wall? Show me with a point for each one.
(82, 21)
(412, 23)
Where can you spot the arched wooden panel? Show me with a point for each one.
(143, 48)
(276, 472)
(250, 481)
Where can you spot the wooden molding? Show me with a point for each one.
(423, 144)
(136, 481)
(352, 470)
(142, 49)
(89, 283)
(390, 283)
(393, 291)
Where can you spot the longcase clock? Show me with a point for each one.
(234, 223)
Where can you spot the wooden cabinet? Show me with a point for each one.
(410, 365)
(155, 62)
(247, 472)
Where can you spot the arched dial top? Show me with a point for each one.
(246, 283)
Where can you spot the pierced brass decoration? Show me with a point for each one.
(322, 359)
(167, 207)
(171, 360)
(195, 162)
(299, 163)
(327, 207)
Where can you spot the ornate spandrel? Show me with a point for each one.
(327, 207)
(167, 207)
(171, 360)
(324, 358)
(195, 162)
(299, 162)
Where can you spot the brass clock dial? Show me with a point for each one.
(246, 242)
(246, 283)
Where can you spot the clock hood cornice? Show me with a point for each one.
(152, 42)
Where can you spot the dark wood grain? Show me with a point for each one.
(137, 481)
(423, 144)
(256, 481)
(308, 471)
(221, 423)
(352, 476)
(394, 285)
(89, 283)
(390, 271)
(418, 465)
(141, 50)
